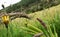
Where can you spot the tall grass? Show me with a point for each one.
(50, 25)
(19, 28)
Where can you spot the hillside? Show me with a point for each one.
(47, 15)
(50, 11)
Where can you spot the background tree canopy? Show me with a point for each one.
(30, 6)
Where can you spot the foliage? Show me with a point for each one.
(36, 5)
(22, 27)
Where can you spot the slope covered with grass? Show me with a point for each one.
(22, 27)
(50, 16)
(46, 13)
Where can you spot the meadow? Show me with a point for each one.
(22, 27)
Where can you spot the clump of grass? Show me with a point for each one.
(47, 32)
(55, 22)
(45, 29)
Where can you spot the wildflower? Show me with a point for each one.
(5, 20)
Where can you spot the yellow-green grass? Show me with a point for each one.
(17, 25)
(46, 15)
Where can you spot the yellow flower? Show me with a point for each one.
(5, 19)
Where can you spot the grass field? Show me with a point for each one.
(22, 27)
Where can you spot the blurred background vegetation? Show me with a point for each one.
(30, 6)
